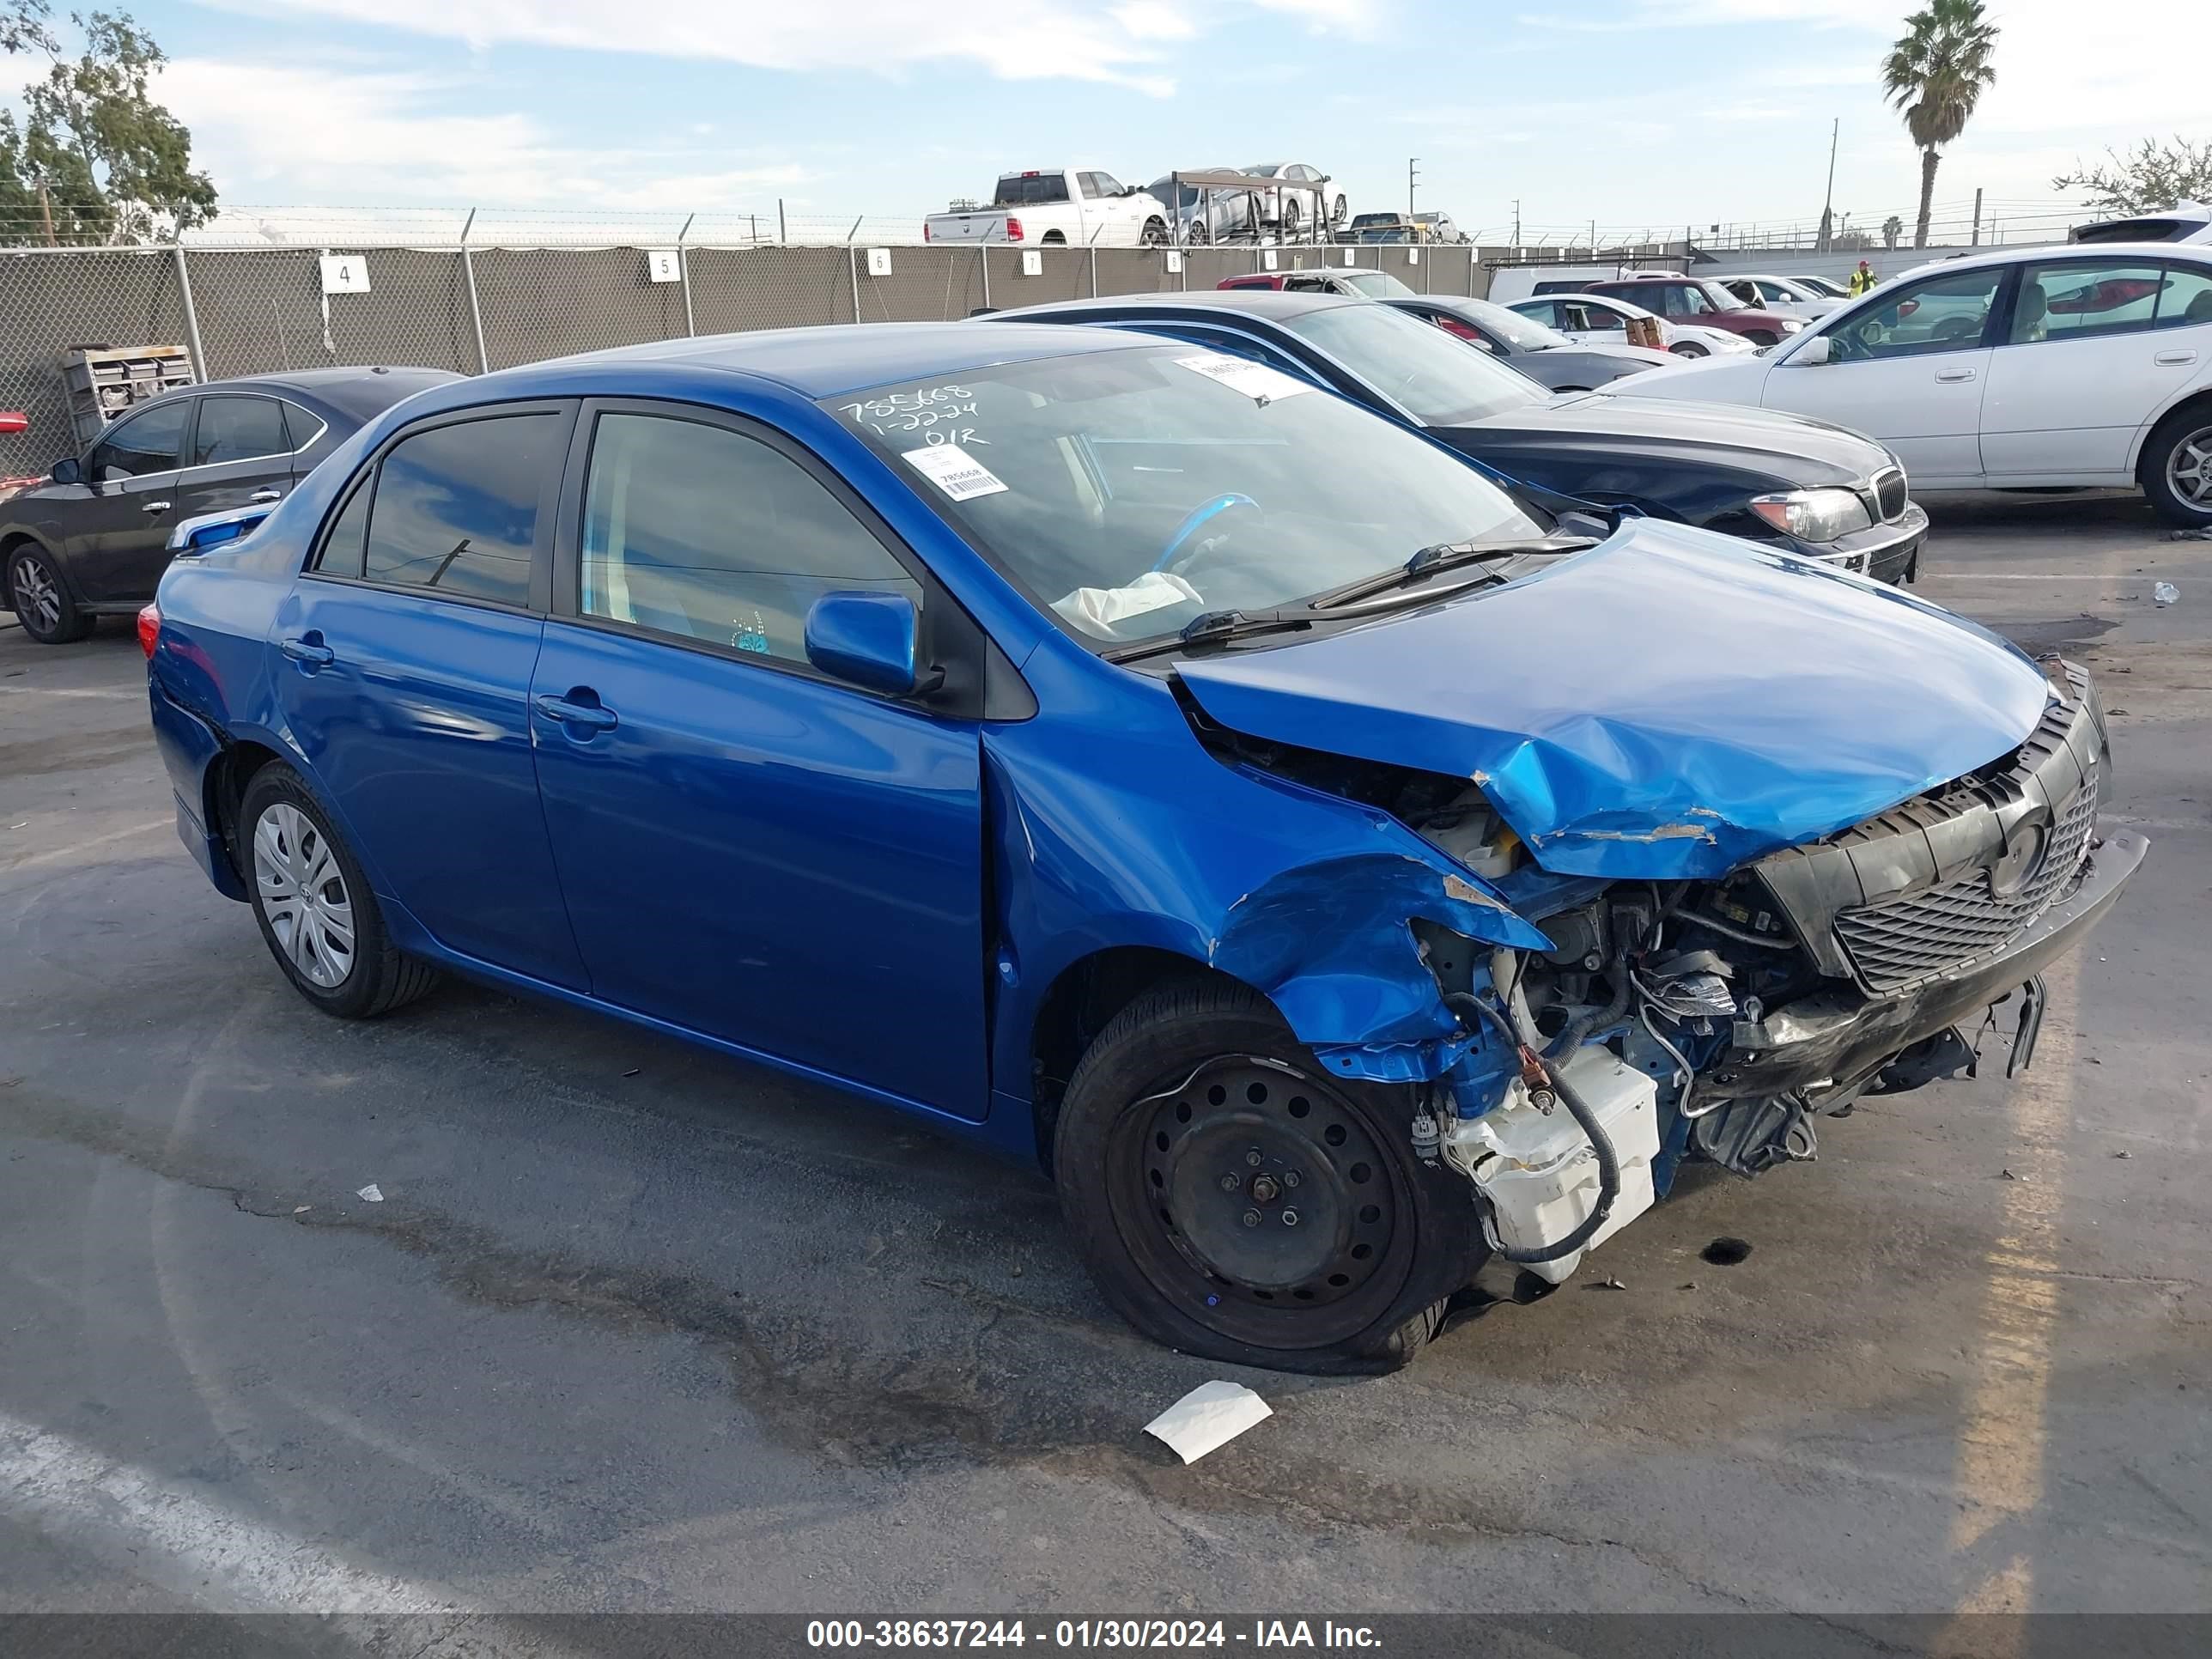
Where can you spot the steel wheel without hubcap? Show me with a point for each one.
(2189, 469)
(303, 894)
(36, 595)
(1256, 1199)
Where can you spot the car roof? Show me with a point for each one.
(825, 361)
(355, 393)
(2156, 252)
(1270, 302)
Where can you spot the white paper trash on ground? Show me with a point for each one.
(1212, 1414)
(373, 1192)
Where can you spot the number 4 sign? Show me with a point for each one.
(345, 273)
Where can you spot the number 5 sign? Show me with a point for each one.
(345, 273)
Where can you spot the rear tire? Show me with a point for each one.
(1154, 234)
(2176, 471)
(1235, 1202)
(40, 597)
(313, 904)
(1055, 239)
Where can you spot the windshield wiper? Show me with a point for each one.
(1442, 557)
(1209, 628)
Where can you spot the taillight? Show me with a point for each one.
(1014, 228)
(150, 629)
(924, 230)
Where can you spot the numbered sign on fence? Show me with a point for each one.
(879, 262)
(1032, 262)
(663, 264)
(345, 273)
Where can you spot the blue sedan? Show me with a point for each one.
(1336, 864)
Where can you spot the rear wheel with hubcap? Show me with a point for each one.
(2177, 469)
(1234, 1201)
(40, 598)
(317, 915)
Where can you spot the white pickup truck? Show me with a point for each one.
(1056, 207)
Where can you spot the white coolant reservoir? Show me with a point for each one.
(1539, 1170)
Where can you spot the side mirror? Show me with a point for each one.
(67, 471)
(1815, 352)
(868, 639)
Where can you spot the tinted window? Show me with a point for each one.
(238, 429)
(1031, 190)
(697, 531)
(1376, 284)
(342, 548)
(2187, 302)
(143, 443)
(301, 427)
(456, 507)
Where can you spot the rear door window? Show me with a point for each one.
(239, 428)
(2082, 300)
(456, 507)
(2186, 301)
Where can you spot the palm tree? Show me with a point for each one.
(1935, 75)
(1892, 228)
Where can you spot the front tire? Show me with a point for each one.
(2176, 468)
(1235, 1202)
(1154, 234)
(42, 600)
(313, 904)
(1687, 349)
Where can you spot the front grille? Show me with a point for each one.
(1909, 938)
(1889, 492)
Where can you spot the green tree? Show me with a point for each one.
(95, 158)
(1892, 228)
(2146, 179)
(1935, 73)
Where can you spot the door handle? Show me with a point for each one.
(2168, 359)
(266, 496)
(568, 712)
(1955, 373)
(155, 507)
(309, 653)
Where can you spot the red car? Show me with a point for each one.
(1694, 299)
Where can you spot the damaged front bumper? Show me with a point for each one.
(1826, 1043)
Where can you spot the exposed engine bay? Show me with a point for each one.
(1721, 1020)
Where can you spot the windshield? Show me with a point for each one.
(1376, 285)
(1439, 379)
(1130, 492)
(1823, 286)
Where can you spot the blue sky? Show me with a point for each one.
(1634, 112)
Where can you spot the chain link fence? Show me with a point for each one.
(258, 311)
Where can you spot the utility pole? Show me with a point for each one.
(1517, 222)
(1976, 242)
(1828, 202)
(1412, 174)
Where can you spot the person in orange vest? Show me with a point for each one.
(1861, 280)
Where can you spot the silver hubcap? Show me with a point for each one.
(37, 599)
(2189, 468)
(300, 891)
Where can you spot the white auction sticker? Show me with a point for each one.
(955, 471)
(1261, 384)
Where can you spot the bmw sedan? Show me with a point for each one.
(92, 538)
(1335, 868)
(1813, 489)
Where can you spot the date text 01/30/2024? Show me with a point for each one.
(1142, 1633)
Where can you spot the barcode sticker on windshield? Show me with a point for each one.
(1261, 384)
(955, 471)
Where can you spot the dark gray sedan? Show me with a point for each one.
(93, 539)
(1543, 353)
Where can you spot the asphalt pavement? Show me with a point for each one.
(634, 1327)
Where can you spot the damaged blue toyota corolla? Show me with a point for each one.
(1339, 868)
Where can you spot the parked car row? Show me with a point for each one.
(1190, 742)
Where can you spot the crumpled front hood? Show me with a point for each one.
(1668, 705)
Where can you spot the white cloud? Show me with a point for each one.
(355, 134)
(1121, 44)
